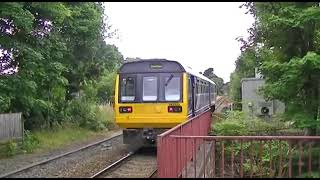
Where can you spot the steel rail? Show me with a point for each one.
(57, 157)
(152, 173)
(112, 165)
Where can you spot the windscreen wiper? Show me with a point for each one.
(171, 76)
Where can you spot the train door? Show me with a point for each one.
(191, 95)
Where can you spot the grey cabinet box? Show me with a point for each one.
(253, 101)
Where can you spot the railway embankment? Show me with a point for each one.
(76, 164)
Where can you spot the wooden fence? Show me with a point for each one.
(11, 126)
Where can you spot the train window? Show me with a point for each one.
(201, 88)
(172, 88)
(150, 89)
(127, 89)
(190, 95)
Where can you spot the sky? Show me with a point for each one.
(200, 35)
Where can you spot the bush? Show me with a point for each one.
(311, 175)
(11, 148)
(30, 142)
(105, 87)
(89, 115)
(232, 124)
(105, 115)
(82, 112)
(236, 123)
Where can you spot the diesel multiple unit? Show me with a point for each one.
(153, 95)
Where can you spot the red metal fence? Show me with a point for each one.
(173, 154)
(242, 156)
(187, 151)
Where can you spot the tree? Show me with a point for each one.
(36, 77)
(245, 68)
(288, 34)
(49, 50)
(219, 81)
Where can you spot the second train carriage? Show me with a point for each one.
(154, 95)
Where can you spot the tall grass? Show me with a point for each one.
(59, 136)
(106, 115)
(72, 132)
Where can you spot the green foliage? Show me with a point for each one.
(245, 68)
(30, 142)
(70, 58)
(232, 125)
(4, 103)
(83, 113)
(105, 87)
(312, 175)
(69, 133)
(105, 116)
(285, 39)
(57, 12)
(237, 123)
(293, 74)
(88, 115)
(254, 150)
(11, 148)
(235, 90)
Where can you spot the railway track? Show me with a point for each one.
(140, 164)
(46, 161)
(220, 103)
(153, 174)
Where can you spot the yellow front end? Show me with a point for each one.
(151, 115)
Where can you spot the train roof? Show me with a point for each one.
(189, 70)
(143, 65)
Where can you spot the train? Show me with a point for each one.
(154, 95)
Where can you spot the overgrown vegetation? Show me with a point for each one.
(56, 67)
(284, 45)
(42, 139)
(245, 65)
(30, 142)
(236, 123)
(10, 148)
(63, 136)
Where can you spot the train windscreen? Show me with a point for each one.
(128, 89)
(172, 88)
(151, 87)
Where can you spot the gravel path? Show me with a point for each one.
(79, 164)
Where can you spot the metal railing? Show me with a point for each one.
(169, 148)
(245, 156)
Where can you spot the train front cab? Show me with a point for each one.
(149, 101)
